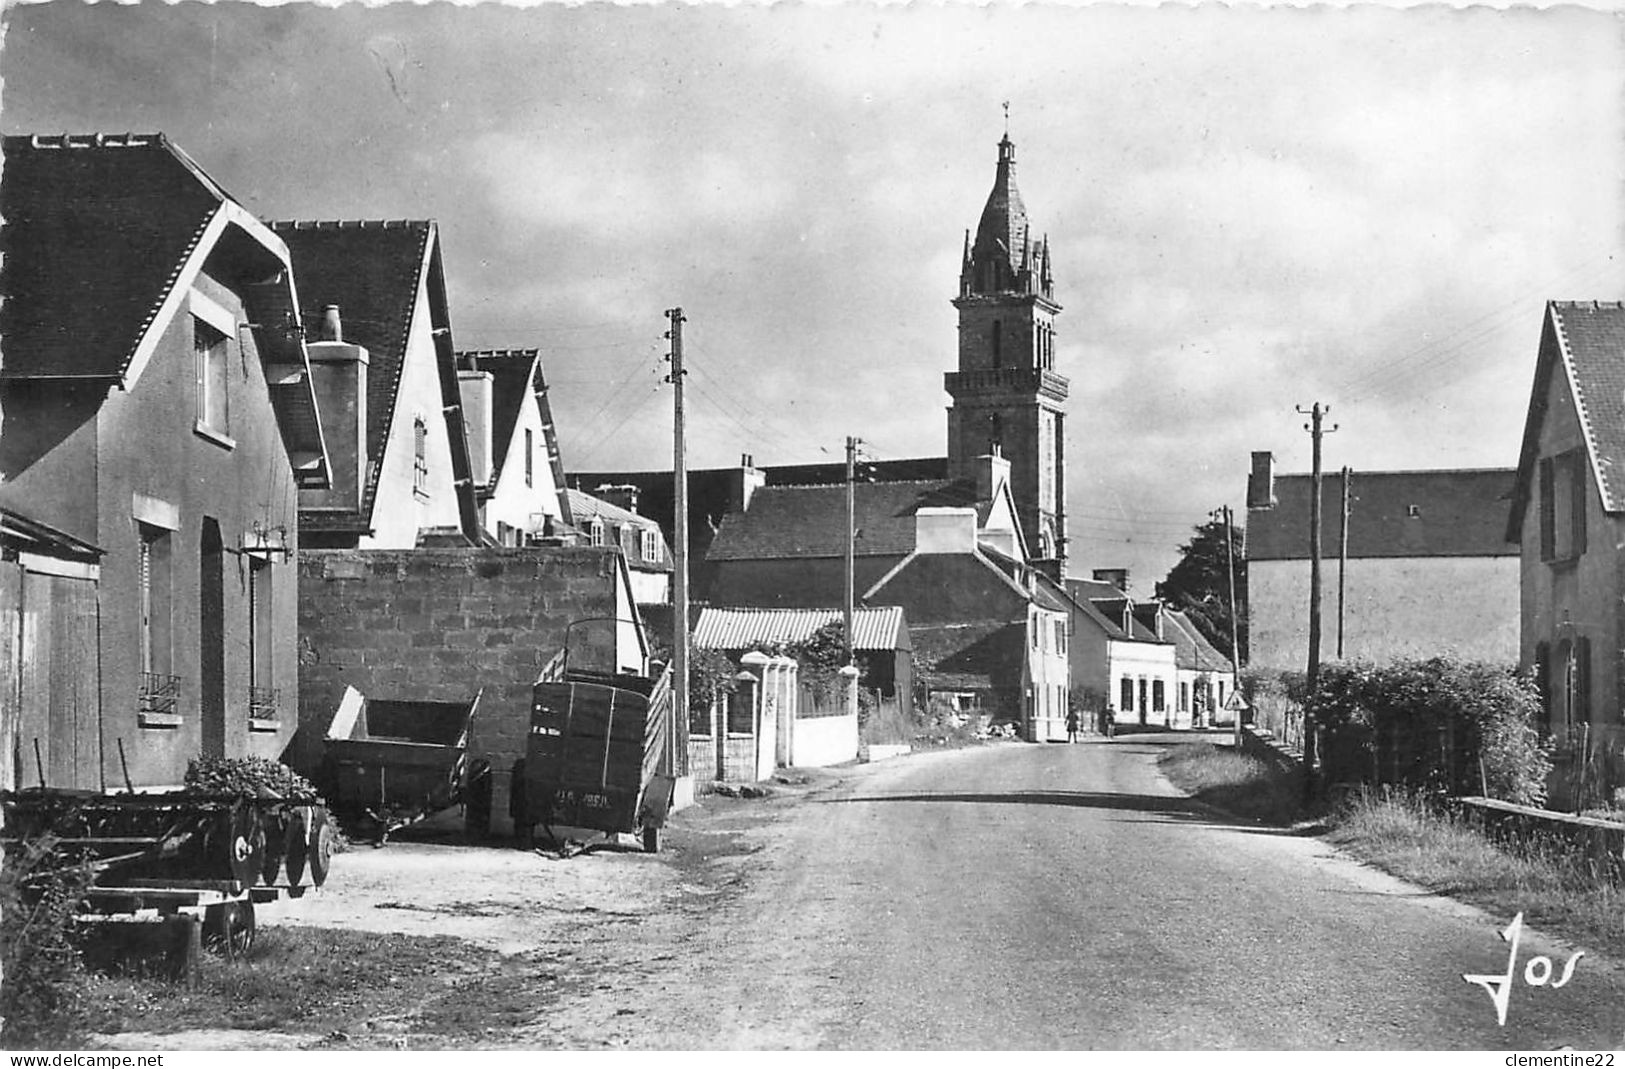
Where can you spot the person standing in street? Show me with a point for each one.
(1071, 725)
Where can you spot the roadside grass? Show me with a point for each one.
(325, 981)
(1553, 885)
(1237, 783)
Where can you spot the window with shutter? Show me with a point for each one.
(1582, 680)
(1577, 502)
(1543, 681)
(1548, 511)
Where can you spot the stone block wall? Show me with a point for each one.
(439, 625)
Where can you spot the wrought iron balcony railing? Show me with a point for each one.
(160, 693)
(263, 703)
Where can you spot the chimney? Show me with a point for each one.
(621, 495)
(476, 389)
(1261, 483)
(338, 373)
(750, 479)
(1117, 577)
(992, 471)
(944, 530)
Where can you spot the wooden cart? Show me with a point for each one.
(392, 763)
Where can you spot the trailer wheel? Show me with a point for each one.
(477, 800)
(276, 846)
(228, 929)
(295, 846)
(246, 843)
(651, 839)
(321, 846)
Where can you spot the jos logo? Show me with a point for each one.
(1537, 972)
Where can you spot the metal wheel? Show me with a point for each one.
(295, 846)
(477, 800)
(321, 846)
(274, 825)
(228, 929)
(245, 845)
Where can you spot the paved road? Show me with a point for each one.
(1067, 896)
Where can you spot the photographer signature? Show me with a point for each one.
(1537, 972)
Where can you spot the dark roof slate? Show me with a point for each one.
(96, 230)
(1457, 513)
(372, 270)
(515, 374)
(809, 521)
(1588, 339)
(1192, 650)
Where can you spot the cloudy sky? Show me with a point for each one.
(1249, 210)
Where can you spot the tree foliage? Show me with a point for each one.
(1198, 585)
(1441, 724)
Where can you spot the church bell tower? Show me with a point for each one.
(1007, 396)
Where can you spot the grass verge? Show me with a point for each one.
(1549, 883)
(1237, 783)
(342, 984)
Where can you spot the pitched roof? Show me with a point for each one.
(1587, 338)
(373, 269)
(1439, 513)
(584, 507)
(97, 228)
(1192, 650)
(975, 656)
(714, 492)
(516, 375)
(102, 235)
(810, 521)
(881, 628)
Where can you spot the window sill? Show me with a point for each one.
(160, 720)
(264, 723)
(741, 735)
(421, 495)
(208, 433)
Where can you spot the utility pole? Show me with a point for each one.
(679, 552)
(1316, 414)
(1343, 564)
(851, 539)
(1235, 627)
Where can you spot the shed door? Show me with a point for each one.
(58, 684)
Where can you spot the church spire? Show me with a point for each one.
(1001, 259)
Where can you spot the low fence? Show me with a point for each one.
(1525, 827)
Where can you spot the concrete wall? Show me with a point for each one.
(138, 455)
(825, 740)
(1396, 607)
(400, 512)
(439, 625)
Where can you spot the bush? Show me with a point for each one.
(1440, 725)
(42, 989)
(251, 777)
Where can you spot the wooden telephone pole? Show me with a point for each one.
(1343, 564)
(851, 539)
(679, 549)
(1316, 414)
(1235, 628)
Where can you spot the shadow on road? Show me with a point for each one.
(1138, 803)
(1184, 810)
